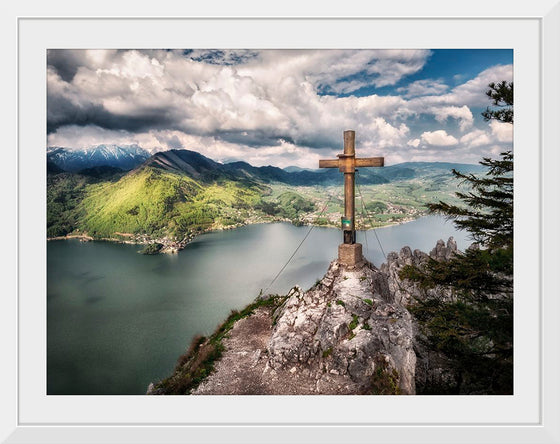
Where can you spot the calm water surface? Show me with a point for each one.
(117, 320)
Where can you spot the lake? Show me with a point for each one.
(117, 320)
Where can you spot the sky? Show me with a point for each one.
(280, 107)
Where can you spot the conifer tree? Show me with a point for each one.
(474, 328)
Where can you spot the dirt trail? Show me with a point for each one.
(243, 368)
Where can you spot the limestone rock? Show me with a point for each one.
(355, 319)
(432, 368)
(443, 252)
(346, 326)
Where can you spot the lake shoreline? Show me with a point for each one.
(172, 246)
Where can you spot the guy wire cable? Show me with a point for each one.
(298, 247)
(370, 221)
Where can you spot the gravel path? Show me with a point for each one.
(243, 368)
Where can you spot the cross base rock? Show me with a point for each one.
(350, 255)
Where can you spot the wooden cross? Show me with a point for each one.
(347, 164)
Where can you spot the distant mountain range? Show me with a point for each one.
(295, 169)
(123, 157)
(202, 168)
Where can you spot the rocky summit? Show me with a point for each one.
(346, 326)
(351, 333)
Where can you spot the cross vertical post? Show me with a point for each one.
(350, 252)
(349, 229)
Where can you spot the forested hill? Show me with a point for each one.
(175, 194)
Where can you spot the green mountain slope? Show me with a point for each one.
(159, 203)
(177, 194)
(141, 202)
(156, 203)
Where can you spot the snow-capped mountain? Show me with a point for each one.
(124, 157)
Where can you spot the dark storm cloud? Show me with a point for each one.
(66, 62)
(318, 141)
(61, 112)
(253, 139)
(259, 138)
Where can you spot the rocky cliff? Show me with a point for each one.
(349, 334)
(346, 326)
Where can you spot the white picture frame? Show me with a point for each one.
(529, 416)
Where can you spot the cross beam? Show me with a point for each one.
(347, 164)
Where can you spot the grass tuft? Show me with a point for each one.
(354, 322)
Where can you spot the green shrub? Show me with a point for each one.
(385, 380)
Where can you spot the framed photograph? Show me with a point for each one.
(55, 392)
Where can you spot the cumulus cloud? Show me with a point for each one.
(288, 104)
(135, 91)
(462, 114)
(503, 132)
(337, 71)
(475, 138)
(438, 138)
(257, 102)
(456, 102)
(392, 65)
(473, 92)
